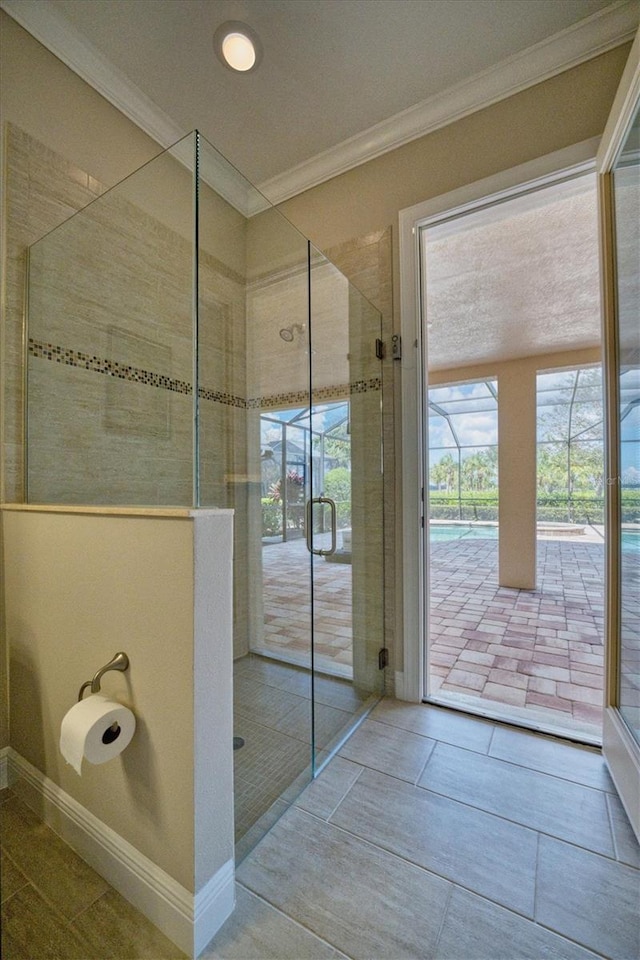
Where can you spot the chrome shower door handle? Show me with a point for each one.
(309, 526)
(334, 526)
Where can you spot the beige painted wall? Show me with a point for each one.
(567, 109)
(52, 104)
(80, 587)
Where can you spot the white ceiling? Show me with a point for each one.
(341, 80)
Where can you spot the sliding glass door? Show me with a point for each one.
(619, 165)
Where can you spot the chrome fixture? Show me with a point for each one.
(119, 662)
(309, 526)
(288, 334)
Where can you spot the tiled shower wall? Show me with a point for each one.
(111, 333)
(109, 420)
(129, 347)
(41, 191)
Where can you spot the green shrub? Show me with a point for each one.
(337, 486)
(271, 518)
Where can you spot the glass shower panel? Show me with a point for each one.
(110, 345)
(184, 351)
(253, 374)
(346, 535)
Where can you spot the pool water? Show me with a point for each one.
(444, 532)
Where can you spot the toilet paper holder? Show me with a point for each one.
(119, 662)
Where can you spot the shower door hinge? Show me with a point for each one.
(379, 349)
(383, 658)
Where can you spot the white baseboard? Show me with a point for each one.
(213, 904)
(189, 920)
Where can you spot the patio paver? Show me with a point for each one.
(540, 649)
(545, 636)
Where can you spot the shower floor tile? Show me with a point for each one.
(272, 714)
(263, 769)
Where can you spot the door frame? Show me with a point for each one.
(411, 682)
(620, 749)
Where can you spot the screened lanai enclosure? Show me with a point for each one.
(516, 490)
(305, 454)
(571, 467)
(463, 449)
(188, 347)
(570, 446)
(535, 654)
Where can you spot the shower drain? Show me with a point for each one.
(238, 742)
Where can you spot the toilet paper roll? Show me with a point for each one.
(96, 729)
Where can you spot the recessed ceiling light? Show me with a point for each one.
(237, 46)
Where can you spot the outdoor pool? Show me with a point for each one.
(443, 532)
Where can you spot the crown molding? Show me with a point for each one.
(621, 115)
(590, 37)
(51, 29)
(59, 36)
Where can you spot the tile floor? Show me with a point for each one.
(431, 835)
(55, 907)
(434, 834)
(272, 714)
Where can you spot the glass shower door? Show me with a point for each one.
(273, 657)
(344, 523)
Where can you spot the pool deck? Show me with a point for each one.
(537, 652)
(287, 609)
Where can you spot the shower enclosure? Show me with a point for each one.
(187, 346)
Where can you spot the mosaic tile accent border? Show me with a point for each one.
(122, 371)
(364, 386)
(110, 368)
(219, 396)
(301, 397)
